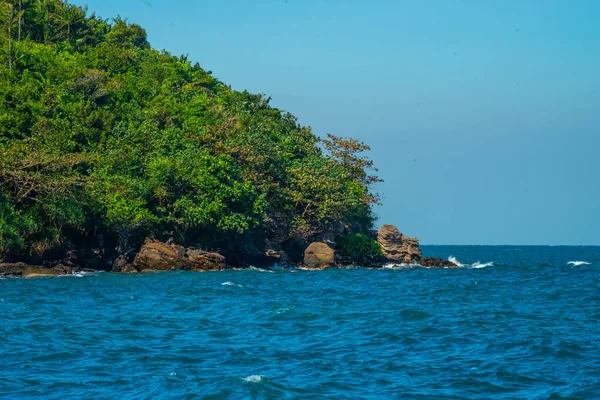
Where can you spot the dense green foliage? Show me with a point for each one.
(101, 133)
(358, 246)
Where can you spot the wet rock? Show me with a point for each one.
(319, 256)
(278, 257)
(205, 261)
(32, 272)
(119, 264)
(437, 263)
(29, 271)
(129, 269)
(158, 256)
(397, 247)
(62, 269)
(12, 269)
(274, 254)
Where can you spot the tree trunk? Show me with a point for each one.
(11, 15)
(20, 18)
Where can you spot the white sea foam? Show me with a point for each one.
(400, 266)
(480, 265)
(80, 274)
(256, 269)
(578, 263)
(255, 378)
(476, 265)
(453, 259)
(230, 284)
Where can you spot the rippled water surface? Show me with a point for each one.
(527, 326)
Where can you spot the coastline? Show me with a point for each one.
(156, 256)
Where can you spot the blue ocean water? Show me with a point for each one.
(526, 327)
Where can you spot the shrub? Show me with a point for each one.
(358, 246)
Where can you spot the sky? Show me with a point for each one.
(483, 116)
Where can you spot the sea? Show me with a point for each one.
(512, 323)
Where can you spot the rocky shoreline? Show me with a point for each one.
(155, 255)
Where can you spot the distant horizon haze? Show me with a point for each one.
(483, 117)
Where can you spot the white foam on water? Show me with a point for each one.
(401, 266)
(578, 263)
(480, 265)
(453, 259)
(230, 284)
(255, 378)
(252, 268)
(80, 274)
(476, 265)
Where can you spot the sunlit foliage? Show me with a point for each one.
(99, 132)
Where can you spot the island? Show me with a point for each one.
(115, 156)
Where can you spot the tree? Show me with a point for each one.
(101, 133)
(9, 18)
(68, 16)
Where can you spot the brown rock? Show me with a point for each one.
(437, 263)
(119, 264)
(32, 272)
(319, 256)
(12, 269)
(279, 257)
(205, 261)
(158, 256)
(396, 246)
(129, 269)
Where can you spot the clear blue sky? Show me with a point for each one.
(483, 115)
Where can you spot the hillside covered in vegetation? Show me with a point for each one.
(105, 141)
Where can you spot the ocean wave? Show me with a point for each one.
(80, 274)
(255, 378)
(401, 266)
(476, 265)
(453, 259)
(578, 263)
(230, 284)
(480, 265)
(256, 269)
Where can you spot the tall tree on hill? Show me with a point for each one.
(20, 18)
(8, 17)
(69, 15)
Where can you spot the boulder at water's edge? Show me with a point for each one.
(319, 256)
(159, 256)
(397, 247)
(437, 263)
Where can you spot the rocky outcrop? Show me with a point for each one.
(319, 256)
(120, 264)
(277, 256)
(159, 256)
(30, 271)
(397, 247)
(437, 263)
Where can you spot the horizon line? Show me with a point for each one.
(515, 245)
